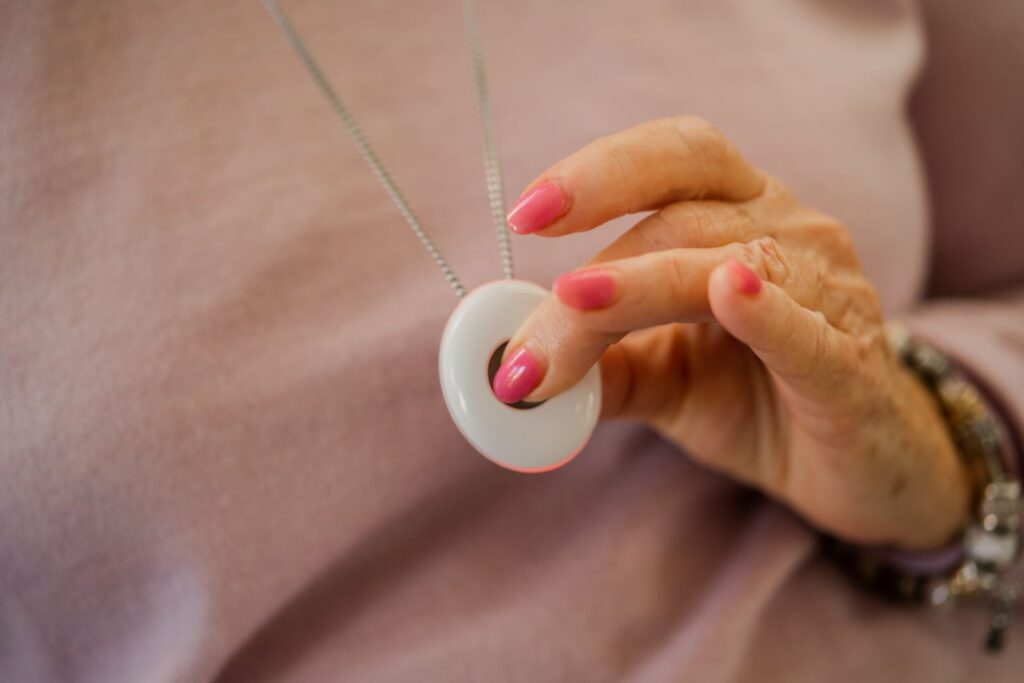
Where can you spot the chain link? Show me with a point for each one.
(492, 166)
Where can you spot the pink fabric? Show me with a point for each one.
(223, 449)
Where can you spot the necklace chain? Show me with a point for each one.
(492, 167)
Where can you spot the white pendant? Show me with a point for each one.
(535, 439)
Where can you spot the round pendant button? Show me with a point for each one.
(534, 439)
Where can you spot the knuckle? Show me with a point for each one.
(767, 256)
(820, 289)
(869, 344)
(823, 234)
(855, 306)
(775, 188)
(823, 279)
(748, 255)
(705, 143)
(841, 237)
(843, 311)
(693, 125)
(868, 306)
(836, 238)
(714, 149)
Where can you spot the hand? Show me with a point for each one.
(737, 323)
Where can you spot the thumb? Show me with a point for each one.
(798, 345)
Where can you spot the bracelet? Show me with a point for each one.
(991, 540)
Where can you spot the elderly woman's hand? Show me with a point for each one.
(736, 322)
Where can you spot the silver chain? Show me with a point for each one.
(492, 167)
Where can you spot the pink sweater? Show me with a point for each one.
(223, 448)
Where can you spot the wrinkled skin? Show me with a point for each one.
(791, 388)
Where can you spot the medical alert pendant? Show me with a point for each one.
(522, 437)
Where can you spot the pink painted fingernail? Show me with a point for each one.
(537, 209)
(516, 377)
(585, 290)
(743, 279)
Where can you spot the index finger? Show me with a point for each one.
(643, 168)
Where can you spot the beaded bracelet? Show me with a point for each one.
(991, 541)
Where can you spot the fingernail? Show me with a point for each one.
(585, 290)
(743, 279)
(536, 209)
(516, 377)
